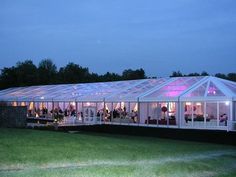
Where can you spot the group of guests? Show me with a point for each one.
(70, 111)
(66, 112)
(118, 113)
(36, 112)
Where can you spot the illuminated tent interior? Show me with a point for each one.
(178, 102)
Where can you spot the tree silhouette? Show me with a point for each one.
(26, 73)
(8, 77)
(47, 72)
(73, 73)
(176, 74)
(130, 74)
(232, 76)
(204, 73)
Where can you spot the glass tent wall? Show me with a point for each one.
(159, 113)
(209, 105)
(160, 106)
(205, 114)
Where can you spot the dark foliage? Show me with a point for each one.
(176, 74)
(179, 74)
(129, 74)
(229, 76)
(26, 74)
(47, 72)
(73, 73)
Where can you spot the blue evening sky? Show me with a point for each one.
(113, 35)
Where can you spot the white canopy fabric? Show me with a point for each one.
(144, 90)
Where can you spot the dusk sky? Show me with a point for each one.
(113, 35)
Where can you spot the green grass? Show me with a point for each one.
(42, 153)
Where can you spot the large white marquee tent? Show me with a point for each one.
(180, 102)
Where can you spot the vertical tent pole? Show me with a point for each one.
(179, 108)
(218, 114)
(76, 109)
(17, 102)
(229, 123)
(167, 118)
(112, 109)
(82, 112)
(147, 115)
(139, 117)
(47, 109)
(157, 113)
(128, 112)
(96, 112)
(34, 108)
(120, 112)
(104, 110)
(52, 109)
(204, 114)
(192, 114)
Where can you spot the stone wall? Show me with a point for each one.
(13, 116)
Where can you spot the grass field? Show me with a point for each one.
(42, 153)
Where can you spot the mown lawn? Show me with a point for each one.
(25, 152)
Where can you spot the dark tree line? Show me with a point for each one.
(26, 73)
(229, 76)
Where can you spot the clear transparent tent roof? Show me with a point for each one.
(208, 89)
(231, 86)
(145, 90)
(132, 93)
(26, 93)
(172, 89)
(212, 88)
(198, 91)
(67, 92)
(96, 92)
